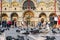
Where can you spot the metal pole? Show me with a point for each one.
(55, 6)
(29, 4)
(1, 12)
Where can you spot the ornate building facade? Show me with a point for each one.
(37, 9)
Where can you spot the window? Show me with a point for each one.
(5, 8)
(15, 8)
(31, 5)
(51, 8)
(7, 5)
(41, 8)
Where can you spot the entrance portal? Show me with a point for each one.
(4, 16)
(43, 15)
(52, 14)
(14, 16)
(27, 17)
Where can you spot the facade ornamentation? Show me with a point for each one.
(42, 7)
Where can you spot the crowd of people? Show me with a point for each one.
(5, 23)
(43, 26)
(54, 22)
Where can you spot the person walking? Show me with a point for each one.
(51, 21)
(9, 24)
(55, 21)
(4, 23)
(15, 22)
(58, 21)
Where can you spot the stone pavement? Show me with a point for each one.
(40, 36)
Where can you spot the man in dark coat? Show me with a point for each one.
(51, 21)
(4, 23)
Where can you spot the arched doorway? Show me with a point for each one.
(27, 17)
(14, 16)
(52, 14)
(4, 16)
(43, 15)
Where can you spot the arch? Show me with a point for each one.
(4, 16)
(30, 13)
(15, 3)
(52, 14)
(25, 5)
(14, 15)
(43, 3)
(27, 16)
(42, 14)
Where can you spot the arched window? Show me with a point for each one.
(15, 8)
(31, 4)
(5, 8)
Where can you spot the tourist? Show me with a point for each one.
(55, 20)
(39, 24)
(48, 24)
(51, 21)
(4, 23)
(47, 27)
(54, 29)
(22, 23)
(9, 24)
(0, 23)
(58, 21)
(14, 23)
(43, 23)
